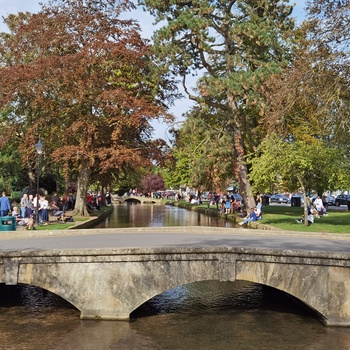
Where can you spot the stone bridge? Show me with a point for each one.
(136, 199)
(110, 283)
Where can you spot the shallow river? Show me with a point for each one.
(207, 315)
(155, 215)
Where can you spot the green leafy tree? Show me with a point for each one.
(235, 46)
(296, 165)
(202, 152)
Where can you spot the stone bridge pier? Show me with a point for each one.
(111, 283)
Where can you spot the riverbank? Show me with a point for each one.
(213, 211)
(275, 218)
(80, 222)
(281, 217)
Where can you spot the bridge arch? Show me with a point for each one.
(34, 291)
(161, 288)
(112, 283)
(240, 293)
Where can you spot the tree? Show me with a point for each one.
(330, 23)
(202, 153)
(328, 30)
(152, 183)
(83, 81)
(235, 46)
(296, 165)
(309, 100)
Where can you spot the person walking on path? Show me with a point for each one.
(5, 206)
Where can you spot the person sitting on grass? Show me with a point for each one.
(318, 203)
(56, 211)
(30, 223)
(21, 221)
(311, 213)
(252, 217)
(60, 214)
(258, 213)
(16, 214)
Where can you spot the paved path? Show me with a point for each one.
(184, 236)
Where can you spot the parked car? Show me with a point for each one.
(342, 199)
(330, 200)
(279, 198)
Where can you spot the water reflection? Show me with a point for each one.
(207, 315)
(155, 215)
(225, 315)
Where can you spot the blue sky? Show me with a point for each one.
(13, 6)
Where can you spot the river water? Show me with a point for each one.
(207, 315)
(155, 215)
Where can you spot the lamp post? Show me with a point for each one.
(39, 147)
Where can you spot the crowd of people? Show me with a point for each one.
(25, 211)
(226, 203)
(30, 206)
(229, 204)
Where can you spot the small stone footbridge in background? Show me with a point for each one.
(107, 274)
(136, 199)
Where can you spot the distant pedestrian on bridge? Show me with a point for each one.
(5, 206)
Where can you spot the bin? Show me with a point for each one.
(295, 201)
(265, 200)
(7, 223)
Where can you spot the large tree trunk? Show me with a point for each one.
(241, 172)
(306, 204)
(83, 183)
(241, 169)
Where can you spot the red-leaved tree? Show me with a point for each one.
(82, 80)
(152, 183)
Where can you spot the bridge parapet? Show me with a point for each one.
(111, 283)
(137, 199)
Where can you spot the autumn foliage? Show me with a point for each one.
(80, 78)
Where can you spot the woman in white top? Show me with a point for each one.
(44, 211)
(319, 206)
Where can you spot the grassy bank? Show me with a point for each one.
(54, 225)
(284, 218)
(274, 216)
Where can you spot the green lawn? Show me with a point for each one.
(283, 217)
(54, 225)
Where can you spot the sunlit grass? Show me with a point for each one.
(284, 217)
